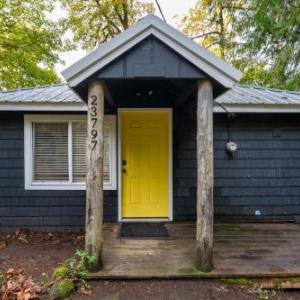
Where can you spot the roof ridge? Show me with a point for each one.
(267, 88)
(34, 87)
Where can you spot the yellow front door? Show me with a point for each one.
(145, 164)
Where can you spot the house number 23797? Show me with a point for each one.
(94, 119)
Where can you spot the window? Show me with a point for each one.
(55, 152)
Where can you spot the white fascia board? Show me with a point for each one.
(19, 106)
(256, 108)
(103, 61)
(196, 60)
(199, 56)
(101, 52)
(198, 50)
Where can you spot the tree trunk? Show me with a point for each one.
(204, 227)
(94, 177)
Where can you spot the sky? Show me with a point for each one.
(170, 8)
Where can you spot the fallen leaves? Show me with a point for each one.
(25, 236)
(33, 249)
(3, 244)
(85, 291)
(16, 285)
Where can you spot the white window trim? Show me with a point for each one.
(30, 184)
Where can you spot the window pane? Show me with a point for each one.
(79, 150)
(51, 151)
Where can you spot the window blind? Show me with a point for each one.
(51, 158)
(51, 151)
(79, 145)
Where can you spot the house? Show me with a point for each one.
(179, 139)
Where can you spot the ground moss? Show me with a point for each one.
(65, 288)
(62, 289)
(237, 281)
(61, 272)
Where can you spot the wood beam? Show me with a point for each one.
(108, 95)
(94, 177)
(204, 226)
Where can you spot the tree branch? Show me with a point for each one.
(206, 34)
(119, 15)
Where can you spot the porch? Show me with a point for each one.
(240, 250)
(150, 65)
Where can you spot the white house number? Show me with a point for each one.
(94, 119)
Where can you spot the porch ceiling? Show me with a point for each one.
(150, 92)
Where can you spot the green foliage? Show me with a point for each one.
(260, 37)
(95, 22)
(59, 272)
(270, 32)
(80, 264)
(70, 276)
(29, 43)
(210, 23)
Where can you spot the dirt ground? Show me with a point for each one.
(180, 290)
(37, 253)
(40, 253)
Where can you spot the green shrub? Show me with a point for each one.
(80, 263)
(70, 276)
(61, 272)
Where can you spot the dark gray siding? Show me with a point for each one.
(150, 58)
(261, 181)
(262, 177)
(41, 210)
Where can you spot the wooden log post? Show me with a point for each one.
(94, 178)
(204, 226)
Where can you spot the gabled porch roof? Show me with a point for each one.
(223, 73)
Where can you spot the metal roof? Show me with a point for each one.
(239, 95)
(52, 93)
(243, 94)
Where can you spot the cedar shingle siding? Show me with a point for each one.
(47, 210)
(260, 182)
(262, 178)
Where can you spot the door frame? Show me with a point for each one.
(170, 168)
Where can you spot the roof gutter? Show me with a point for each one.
(218, 107)
(55, 106)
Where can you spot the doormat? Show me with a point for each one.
(144, 230)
